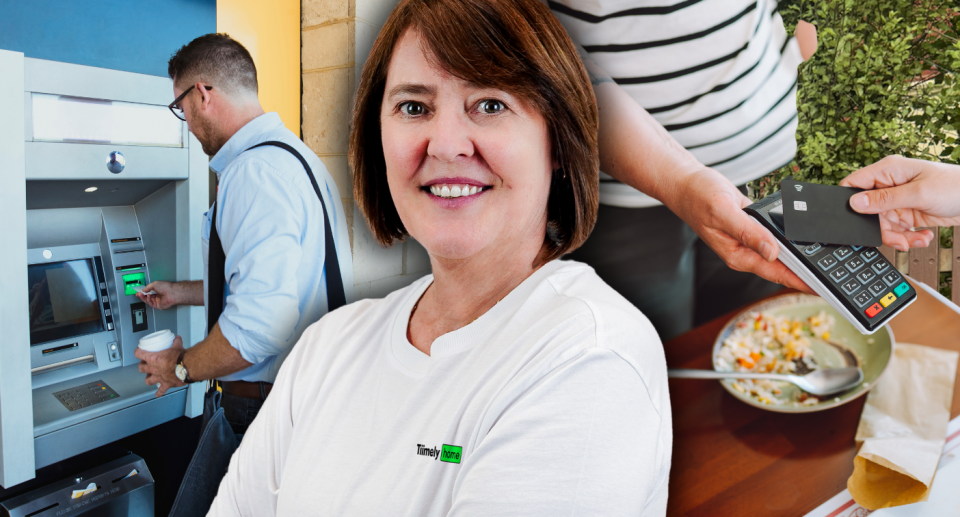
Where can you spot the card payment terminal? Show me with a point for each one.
(857, 281)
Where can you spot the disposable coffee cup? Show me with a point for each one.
(157, 342)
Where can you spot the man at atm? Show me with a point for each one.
(276, 248)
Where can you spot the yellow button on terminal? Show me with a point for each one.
(888, 299)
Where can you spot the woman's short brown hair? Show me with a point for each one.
(517, 46)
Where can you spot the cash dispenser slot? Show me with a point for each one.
(63, 364)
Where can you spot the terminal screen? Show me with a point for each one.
(63, 300)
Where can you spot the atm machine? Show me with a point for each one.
(102, 190)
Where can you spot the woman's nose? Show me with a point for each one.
(450, 136)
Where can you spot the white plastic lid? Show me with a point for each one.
(157, 341)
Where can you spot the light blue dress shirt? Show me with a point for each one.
(270, 224)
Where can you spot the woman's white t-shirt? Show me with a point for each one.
(554, 402)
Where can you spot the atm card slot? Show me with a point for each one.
(59, 349)
(131, 267)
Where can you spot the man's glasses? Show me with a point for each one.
(175, 105)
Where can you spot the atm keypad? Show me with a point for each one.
(86, 395)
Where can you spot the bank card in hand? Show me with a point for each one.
(822, 213)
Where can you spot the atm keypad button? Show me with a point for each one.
(850, 286)
(891, 278)
(842, 253)
(838, 274)
(854, 264)
(827, 262)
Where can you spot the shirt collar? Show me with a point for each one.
(248, 136)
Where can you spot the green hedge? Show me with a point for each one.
(884, 80)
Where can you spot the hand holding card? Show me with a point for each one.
(822, 213)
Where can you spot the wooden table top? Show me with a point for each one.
(733, 459)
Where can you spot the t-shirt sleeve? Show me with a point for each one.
(585, 440)
(251, 486)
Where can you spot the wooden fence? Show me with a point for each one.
(926, 264)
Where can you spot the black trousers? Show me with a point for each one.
(240, 412)
(657, 262)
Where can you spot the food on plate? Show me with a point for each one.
(765, 343)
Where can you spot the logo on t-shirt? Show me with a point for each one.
(448, 453)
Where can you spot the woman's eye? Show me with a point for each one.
(491, 106)
(412, 109)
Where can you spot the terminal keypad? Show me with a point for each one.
(857, 280)
(875, 285)
(86, 395)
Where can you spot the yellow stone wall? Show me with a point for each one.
(336, 37)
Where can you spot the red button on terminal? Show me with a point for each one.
(873, 310)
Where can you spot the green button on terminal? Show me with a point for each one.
(902, 288)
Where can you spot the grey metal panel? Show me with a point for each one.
(61, 253)
(16, 411)
(50, 415)
(118, 495)
(68, 442)
(120, 222)
(95, 83)
(157, 215)
(51, 228)
(27, 116)
(69, 161)
(48, 194)
(192, 202)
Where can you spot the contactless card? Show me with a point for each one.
(822, 213)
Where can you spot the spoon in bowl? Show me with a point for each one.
(818, 382)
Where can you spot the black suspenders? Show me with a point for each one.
(216, 263)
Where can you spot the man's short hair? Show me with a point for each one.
(218, 59)
(517, 46)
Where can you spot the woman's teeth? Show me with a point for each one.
(447, 191)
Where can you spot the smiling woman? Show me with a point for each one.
(507, 382)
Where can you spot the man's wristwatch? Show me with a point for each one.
(181, 370)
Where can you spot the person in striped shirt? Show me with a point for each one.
(696, 98)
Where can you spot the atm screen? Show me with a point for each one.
(63, 300)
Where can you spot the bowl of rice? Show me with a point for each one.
(796, 334)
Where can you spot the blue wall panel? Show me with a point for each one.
(130, 35)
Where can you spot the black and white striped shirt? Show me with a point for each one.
(720, 75)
